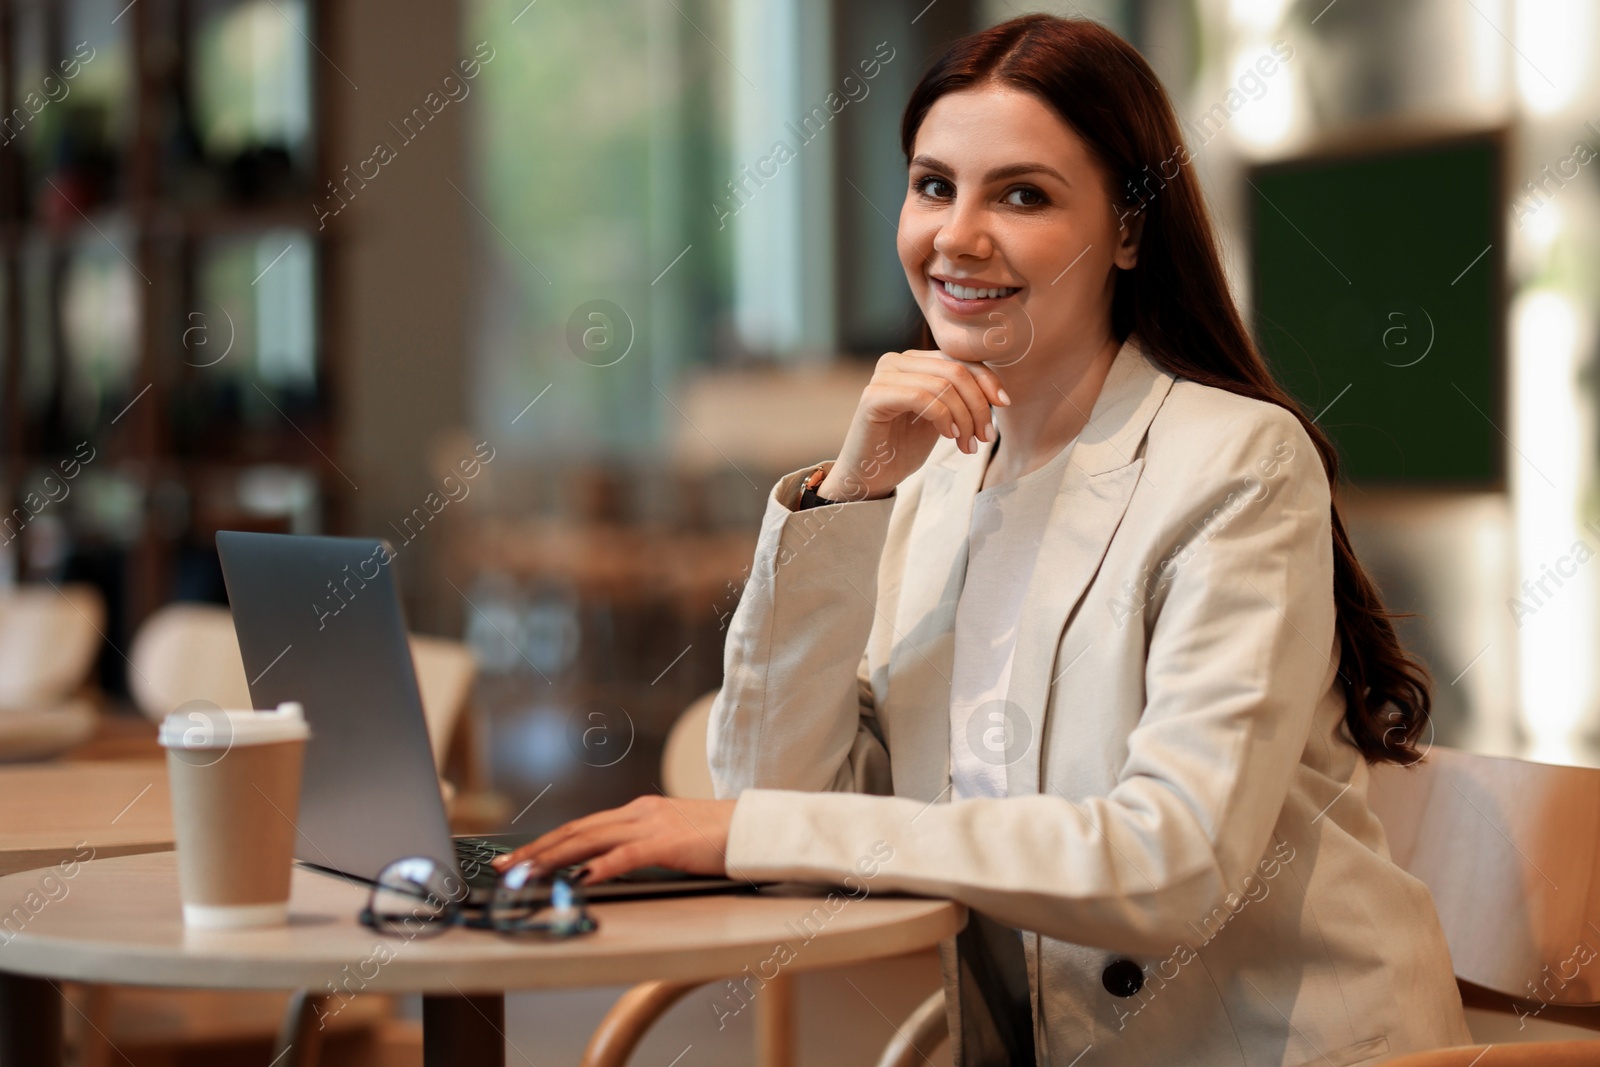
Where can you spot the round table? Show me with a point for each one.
(119, 920)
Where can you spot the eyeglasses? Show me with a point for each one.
(418, 896)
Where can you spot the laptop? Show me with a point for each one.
(319, 621)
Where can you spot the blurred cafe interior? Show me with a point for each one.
(510, 283)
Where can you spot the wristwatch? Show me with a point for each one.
(808, 491)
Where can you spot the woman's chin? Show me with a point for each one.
(962, 349)
(974, 344)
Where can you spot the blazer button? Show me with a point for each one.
(1122, 978)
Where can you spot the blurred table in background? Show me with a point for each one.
(60, 812)
(596, 591)
(592, 638)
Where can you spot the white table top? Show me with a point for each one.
(120, 921)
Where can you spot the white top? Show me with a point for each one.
(1008, 522)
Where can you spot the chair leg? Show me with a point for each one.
(624, 1026)
(920, 1034)
(775, 1023)
(299, 1041)
(96, 1050)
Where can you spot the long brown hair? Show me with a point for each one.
(1178, 304)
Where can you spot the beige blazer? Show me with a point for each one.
(1182, 791)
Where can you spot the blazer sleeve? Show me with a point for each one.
(1240, 651)
(796, 707)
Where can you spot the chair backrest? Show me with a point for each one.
(685, 771)
(445, 673)
(187, 652)
(1508, 849)
(49, 638)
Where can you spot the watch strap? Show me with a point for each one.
(809, 498)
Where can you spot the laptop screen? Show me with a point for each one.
(319, 621)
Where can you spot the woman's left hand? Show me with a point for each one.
(652, 831)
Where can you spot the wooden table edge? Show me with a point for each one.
(23, 860)
(54, 958)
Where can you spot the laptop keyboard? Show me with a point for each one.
(475, 856)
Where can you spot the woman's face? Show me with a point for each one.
(1006, 207)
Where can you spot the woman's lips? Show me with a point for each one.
(965, 308)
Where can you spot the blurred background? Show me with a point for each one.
(284, 265)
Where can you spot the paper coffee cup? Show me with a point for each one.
(235, 782)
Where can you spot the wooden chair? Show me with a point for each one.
(189, 651)
(49, 638)
(685, 773)
(1526, 1054)
(186, 652)
(923, 1031)
(1510, 852)
(446, 671)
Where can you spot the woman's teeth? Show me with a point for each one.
(962, 292)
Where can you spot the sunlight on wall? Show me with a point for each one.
(1487, 52)
(780, 192)
(1257, 16)
(1555, 602)
(1249, 94)
(1553, 38)
(1268, 116)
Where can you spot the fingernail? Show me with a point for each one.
(1004, 399)
(973, 441)
(988, 432)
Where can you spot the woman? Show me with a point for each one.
(1075, 594)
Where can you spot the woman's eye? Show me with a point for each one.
(930, 186)
(1025, 196)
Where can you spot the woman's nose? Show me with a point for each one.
(964, 233)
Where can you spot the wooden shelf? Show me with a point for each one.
(161, 226)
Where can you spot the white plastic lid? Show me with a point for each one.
(200, 727)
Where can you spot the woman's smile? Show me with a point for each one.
(970, 297)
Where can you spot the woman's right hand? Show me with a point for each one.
(913, 399)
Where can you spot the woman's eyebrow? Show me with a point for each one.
(1010, 170)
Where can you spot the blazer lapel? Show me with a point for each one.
(924, 626)
(1095, 489)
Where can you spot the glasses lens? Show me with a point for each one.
(567, 915)
(523, 904)
(517, 896)
(414, 896)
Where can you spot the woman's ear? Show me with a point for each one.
(1131, 226)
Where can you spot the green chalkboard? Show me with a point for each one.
(1378, 289)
